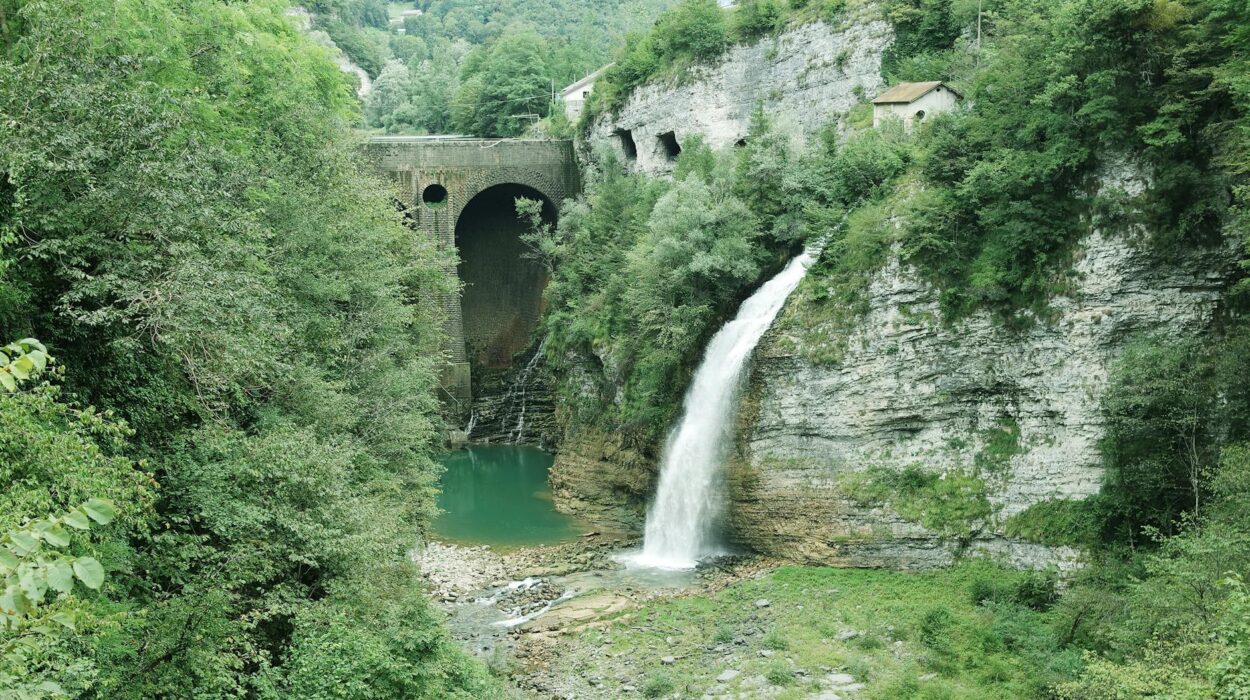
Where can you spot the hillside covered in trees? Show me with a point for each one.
(239, 349)
(471, 67)
(990, 205)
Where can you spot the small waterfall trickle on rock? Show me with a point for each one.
(682, 522)
(518, 395)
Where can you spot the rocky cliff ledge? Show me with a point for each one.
(923, 439)
(807, 75)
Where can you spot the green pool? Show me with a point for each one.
(499, 496)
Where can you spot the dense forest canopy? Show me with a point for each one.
(481, 68)
(186, 225)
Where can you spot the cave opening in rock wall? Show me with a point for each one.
(627, 144)
(670, 145)
(501, 302)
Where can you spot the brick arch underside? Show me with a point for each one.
(501, 302)
(536, 179)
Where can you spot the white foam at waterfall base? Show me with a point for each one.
(684, 521)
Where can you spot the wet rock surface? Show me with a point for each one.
(522, 611)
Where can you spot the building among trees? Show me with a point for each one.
(574, 96)
(913, 102)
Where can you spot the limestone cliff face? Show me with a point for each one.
(807, 76)
(810, 75)
(1011, 414)
(910, 391)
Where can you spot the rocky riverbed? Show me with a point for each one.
(570, 621)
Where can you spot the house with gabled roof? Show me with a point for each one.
(914, 102)
(574, 96)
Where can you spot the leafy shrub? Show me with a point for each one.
(755, 18)
(1058, 522)
(694, 29)
(657, 685)
(776, 640)
(779, 673)
(935, 629)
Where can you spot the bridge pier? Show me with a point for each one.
(437, 178)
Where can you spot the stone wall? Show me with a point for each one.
(806, 76)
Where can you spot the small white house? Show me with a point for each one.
(574, 96)
(914, 102)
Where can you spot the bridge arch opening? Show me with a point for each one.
(503, 285)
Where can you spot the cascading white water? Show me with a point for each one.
(517, 399)
(682, 524)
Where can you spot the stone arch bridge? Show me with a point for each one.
(462, 191)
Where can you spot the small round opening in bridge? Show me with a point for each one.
(434, 195)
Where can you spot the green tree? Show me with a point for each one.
(507, 87)
(203, 251)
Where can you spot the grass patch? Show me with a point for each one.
(1057, 522)
(1002, 442)
(779, 673)
(658, 685)
(908, 626)
(953, 503)
(860, 116)
(776, 640)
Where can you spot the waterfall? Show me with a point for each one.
(518, 397)
(683, 522)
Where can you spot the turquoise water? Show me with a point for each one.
(498, 495)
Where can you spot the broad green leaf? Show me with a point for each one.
(20, 368)
(8, 560)
(89, 571)
(6, 380)
(61, 576)
(14, 601)
(77, 519)
(32, 343)
(39, 359)
(56, 536)
(100, 510)
(33, 584)
(24, 542)
(64, 619)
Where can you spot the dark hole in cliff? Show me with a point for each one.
(434, 195)
(503, 284)
(740, 143)
(627, 143)
(668, 141)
